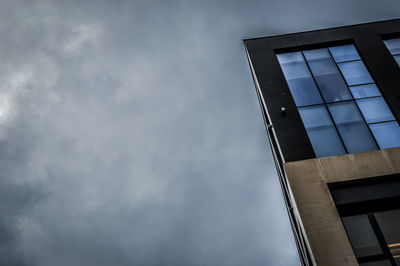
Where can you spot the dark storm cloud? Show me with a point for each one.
(130, 132)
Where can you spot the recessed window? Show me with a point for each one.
(370, 212)
(375, 237)
(341, 107)
(394, 48)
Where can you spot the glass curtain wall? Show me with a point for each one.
(341, 107)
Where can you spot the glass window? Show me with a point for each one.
(352, 128)
(299, 79)
(363, 91)
(327, 75)
(338, 100)
(361, 235)
(386, 134)
(371, 223)
(344, 53)
(394, 48)
(389, 222)
(375, 110)
(393, 45)
(321, 131)
(355, 73)
(397, 58)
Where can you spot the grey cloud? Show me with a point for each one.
(132, 133)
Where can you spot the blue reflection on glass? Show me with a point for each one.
(363, 91)
(393, 45)
(355, 73)
(386, 134)
(299, 79)
(344, 53)
(375, 110)
(352, 127)
(327, 75)
(397, 58)
(321, 131)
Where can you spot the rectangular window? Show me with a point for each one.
(370, 212)
(394, 48)
(375, 237)
(321, 131)
(341, 107)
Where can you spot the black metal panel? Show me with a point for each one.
(294, 144)
(291, 135)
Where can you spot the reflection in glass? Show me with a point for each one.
(386, 134)
(352, 128)
(321, 131)
(389, 222)
(338, 100)
(344, 53)
(327, 75)
(355, 73)
(361, 235)
(299, 79)
(393, 45)
(397, 58)
(375, 110)
(362, 91)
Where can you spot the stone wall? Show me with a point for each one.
(308, 181)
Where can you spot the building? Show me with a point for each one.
(331, 104)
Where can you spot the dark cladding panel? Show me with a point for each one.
(292, 137)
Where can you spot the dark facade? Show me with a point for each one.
(350, 68)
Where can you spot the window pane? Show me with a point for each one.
(389, 222)
(299, 79)
(375, 110)
(321, 131)
(327, 75)
(397, 58)
(361, 235)
(352, 128)
(344, 53)
(355, 73)
(393, 45)
(365, 91)
(386, 134)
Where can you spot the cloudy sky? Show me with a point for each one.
(130, 132)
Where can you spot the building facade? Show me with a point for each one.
(331, 104)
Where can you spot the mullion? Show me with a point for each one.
(362, 84)
(381, 122)
(370, 131)
(310, 105)
(380, 237)
(369, 97)
(325, 103)
(347, 61)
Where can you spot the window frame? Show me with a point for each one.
(351, 199)
(346, 144)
